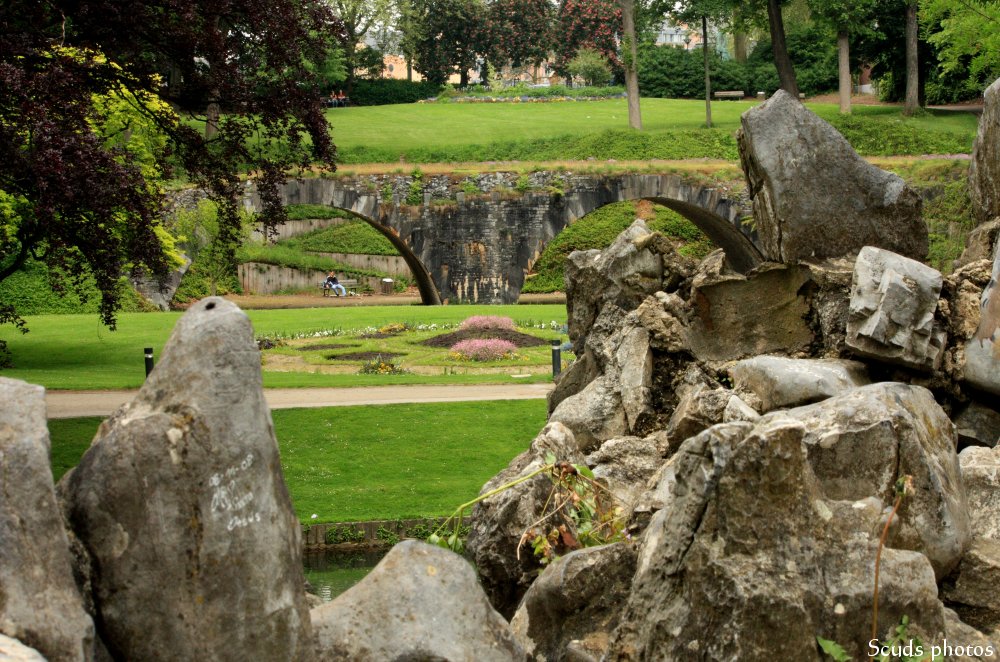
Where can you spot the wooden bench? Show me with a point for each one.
(350, 286)
(730, 94)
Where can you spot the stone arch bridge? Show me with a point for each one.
(473, 239)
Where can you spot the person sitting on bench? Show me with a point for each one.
(333, 284)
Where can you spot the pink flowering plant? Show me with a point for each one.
(487, 322)
(486, 349)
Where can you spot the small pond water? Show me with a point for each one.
(332, 573)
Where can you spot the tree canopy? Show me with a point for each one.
(86, 130)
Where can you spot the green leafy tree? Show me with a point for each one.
(74, 192)
(843, 16)
(450, 35)
(966, 36)
(703, 11)
(591, 66)
(359, 17)
(521, 33)
(588, 24)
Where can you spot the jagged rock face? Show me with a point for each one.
(39, 602)
(893, 300)
(748, 561)
(976, 647)
(982, 352)
(859, 443)
(420, 602)
(984, 171)
(776, 381)
(182, 506)
(972, 590)
(622, 273)
(595, 414)
(813, 196)
(701, 407)
(577, 599)
(981, 244)
(981, 475)
(499, 522)
(735, 316)
(625, 464)
(12, 650)
(978, 425)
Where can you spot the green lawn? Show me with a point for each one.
(76, 352)
(449, 132)
(386, 462)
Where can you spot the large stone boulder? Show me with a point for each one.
(776, 381)
(506, 568)
(975, 646)
(625, 464)
(813, 196)
(181, 504)
(893, 301)
(978, 425)
(622, 273)
(861, 442)
(420, 602)
(734, 316)
(984, 171)
(748, 561)
(981, 476)
(595, 414)
(972, 590)
(982, 352)
(39, 602)
(577, 600)
(12, 650)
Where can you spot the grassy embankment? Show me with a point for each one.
(361, 463)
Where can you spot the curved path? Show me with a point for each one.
(73, 404)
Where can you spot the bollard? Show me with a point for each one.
(556, 358)
(148, 353)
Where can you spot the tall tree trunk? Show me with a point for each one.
(786, 72)
(708, 75)
(409, 69)
(912, 61)
(844, 69)
(631, 65)
(212, 115)
(740, 46)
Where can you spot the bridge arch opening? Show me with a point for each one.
(421, 277)
(703, 233)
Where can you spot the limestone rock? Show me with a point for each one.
(748, 561)
(635, 361)
(981, 244)
(735, 316)
(621, 273)
(626, 464)
(420, 602)
(182, 506)
(830, 286)
(595, 414)
(981, 476)
(39, 602)
(972, 590)
(982, 353)
(578, 598)
(777, 381)
(813, 196)
(893, 300)
(12, 650)
(958, 633)
(499, 521)
(573, 380)
(663, 316)
(860, 442)
(978, 425)
(698, 409)
(984, 171)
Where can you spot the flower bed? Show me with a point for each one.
(487, 322)
(483, 349)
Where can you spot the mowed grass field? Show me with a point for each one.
(76, 352)
(360, 463)
(450, 131)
